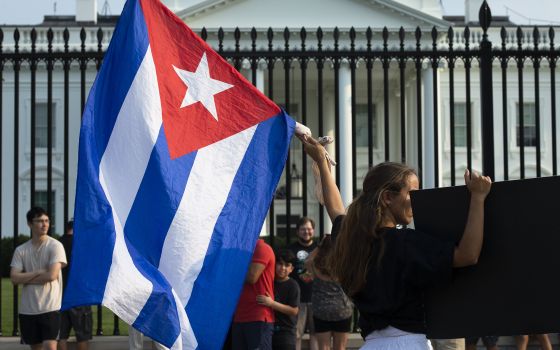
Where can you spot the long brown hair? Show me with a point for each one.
(359, 238)
(320, 261)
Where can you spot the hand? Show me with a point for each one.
(265, 300)
(478, 185)
(306, 277)
(313, 148)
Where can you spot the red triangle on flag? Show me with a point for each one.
(176, 48)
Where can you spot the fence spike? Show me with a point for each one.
(434, 37)
(253, 36)
(519, 34)
(536, 37)
(33, 39)
(485, 18)
(66, 37)
(204, 34)
(385, 37)
(83, 38)
(418, 36)
(336, 36)
(99, 39)
(16, 39)
(220, 39)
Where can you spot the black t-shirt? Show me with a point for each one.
(287, 293)
(302, 252)
(66, 241)
(394, 292)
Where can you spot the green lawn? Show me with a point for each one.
(6, 305)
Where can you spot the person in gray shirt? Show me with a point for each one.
(36, 267)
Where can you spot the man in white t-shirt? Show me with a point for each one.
(36, 266)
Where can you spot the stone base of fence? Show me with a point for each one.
(354, 342)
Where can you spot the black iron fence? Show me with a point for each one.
(440, 100)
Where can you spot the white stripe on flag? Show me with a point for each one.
(187, 339)
(121, 170)
(206, 191)
(133, 138)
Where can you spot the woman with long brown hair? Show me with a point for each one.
(385, 269)
(332, 309)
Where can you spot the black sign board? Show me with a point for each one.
(515, 287)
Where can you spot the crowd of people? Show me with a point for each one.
(295, 284)
(371, 261)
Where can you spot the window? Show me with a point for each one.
(41, 200)
(529, 126)
(362, 126)
(41, 125)
(460, 109)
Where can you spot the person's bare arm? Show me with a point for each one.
(255, 271)
(331, 194)
(309, 261)
(266, 300)
(47, 276)
(468, 250)
(17, 276)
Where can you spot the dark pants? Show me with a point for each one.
(252, 335)
(81, 319)
(284, 339)
(37, 328)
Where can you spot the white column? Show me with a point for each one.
(428, 119)
(259, 83)
(260, 78)
(345, 127)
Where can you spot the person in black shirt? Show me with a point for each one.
(285, 304)
(305, 244)
(383, 268)
(80, 318)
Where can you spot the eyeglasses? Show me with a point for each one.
(40, 221)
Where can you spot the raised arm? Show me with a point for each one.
(331, 194)
(468, 250)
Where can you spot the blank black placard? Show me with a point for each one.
(515, 287)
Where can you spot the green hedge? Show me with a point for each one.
(7, 251)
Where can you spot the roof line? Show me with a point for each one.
(200, 7)
(438, 22)
(391, 4)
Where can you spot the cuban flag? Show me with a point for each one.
(179, 158)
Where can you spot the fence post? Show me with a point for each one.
(486, 97)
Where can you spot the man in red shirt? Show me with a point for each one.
(253, 323)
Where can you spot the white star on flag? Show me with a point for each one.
(201, 87)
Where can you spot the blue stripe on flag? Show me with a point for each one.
(151, 215)
(94, 226)
(157, 200)
(159, 316)
(236, 232)
(120, 61)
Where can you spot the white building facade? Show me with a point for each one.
(327, 96)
